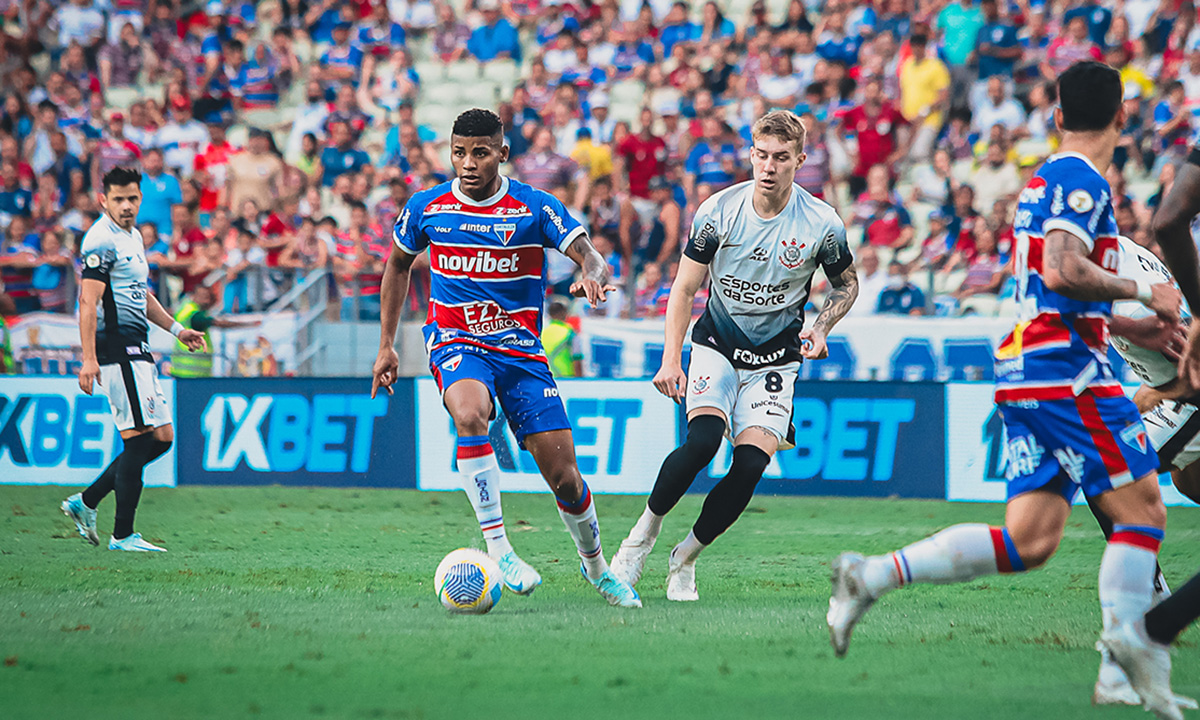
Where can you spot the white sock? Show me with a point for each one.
(956, 554)
(647, 526)
(581, 522)
(481, 481)
(1127, 573)
(689, 549)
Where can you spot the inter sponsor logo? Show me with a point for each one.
(475, 227)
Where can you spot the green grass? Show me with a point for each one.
(297, 603)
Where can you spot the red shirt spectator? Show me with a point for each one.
(645, 157)
(876, 125)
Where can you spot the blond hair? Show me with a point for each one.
(782, 124)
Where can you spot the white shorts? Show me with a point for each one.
(134, 395)
(1174, 431)
(748, 398)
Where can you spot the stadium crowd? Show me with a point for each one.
(283, 136)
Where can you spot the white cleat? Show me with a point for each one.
(848, 602)
(681, 580)
(84, 517)
(519, 576)
(630, 559)
(1147, 665)
(133, 543)
(1113, 687)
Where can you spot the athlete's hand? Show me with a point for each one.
(1155, 334)
(671, 381)
(1165, 301)
(387, 366)
(89, 374)
(194, 340)
(812, 345)
(592, 290)
(1189, 364)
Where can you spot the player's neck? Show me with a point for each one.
(484, 192)
(1095, 146)
(769, 205)
(117, 222)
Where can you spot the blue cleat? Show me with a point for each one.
(518, 575)
(133, 543)
(613, 589)
(84, 517)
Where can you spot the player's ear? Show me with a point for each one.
(504, 153)
(1058, 118)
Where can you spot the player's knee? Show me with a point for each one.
(1036, 548)
(566, 483)
(471, 422)
(704, 436)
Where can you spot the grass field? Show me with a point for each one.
(297, 603)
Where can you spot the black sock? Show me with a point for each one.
(1106, 526)
(1171, 616)
(139, 450)
(681, 466)
(102, 486)
(731, 496)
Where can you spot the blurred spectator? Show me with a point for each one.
(996, 178)
(157, 255)
(815, 174)
(450, 36)
(341, 156)
(543, 167)
(255, 174)
(121, 62)
(15, 200)
(564, 347)
(934, 184)
(713, 159)
(900, 297)
(17, 262)
(959, 25)
(652, 292)
(306, 252)
(876, 125)
(243, 274)
(938, 244)
(998, 109)
(985, 268)
(595, 159)
(182, 138)
(1172, 122)
(160, 191)
(878, 211)
(1071, 46)
(80, 23)
(496, 38)
(924, 94)
(871, 282)
(342, 62)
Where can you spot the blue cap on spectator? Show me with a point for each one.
(342, 25)
(583, 133)
(940, 215)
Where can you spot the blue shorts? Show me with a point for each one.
(525, 388)
(1095, 442)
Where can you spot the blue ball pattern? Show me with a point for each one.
(464, 584)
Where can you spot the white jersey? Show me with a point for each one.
(117, 258)
(761, 271)
(1137, 263)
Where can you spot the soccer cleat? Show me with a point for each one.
(1147, 665)
(1113, 688)
(848, 602)
(613, 589)
(630, 559)
(681, 580)
(518, 575)
(84, 517)
(133, 543)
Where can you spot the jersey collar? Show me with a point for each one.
(465, 200)
(1076, 155)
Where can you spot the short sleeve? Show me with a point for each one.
(407, 233)
(834, 254)
(705, 236)
(1078, 205)
(558, 228)
(98, 257)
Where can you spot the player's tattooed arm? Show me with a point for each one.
(595, 283)
(1067, 270)
(841, 297)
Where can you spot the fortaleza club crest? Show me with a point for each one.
(1135, 436)
(790, 257)
(452, 364)
(701, 384)
(505, 231)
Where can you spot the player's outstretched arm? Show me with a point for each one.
(595, 283)
(671, 380)
(843, 293)
(90, 292)
(1068, 271)
(391, 299)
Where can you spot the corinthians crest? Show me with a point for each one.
(790, 256)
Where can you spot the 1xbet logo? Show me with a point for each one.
(285, 433)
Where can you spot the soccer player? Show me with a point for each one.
(115, 309)
(1067, 422)
(759, 242)
(487, 236)
(1151, 348)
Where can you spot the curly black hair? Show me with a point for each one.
(478, 122)
(121, 176)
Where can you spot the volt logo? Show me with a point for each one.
(286, 433)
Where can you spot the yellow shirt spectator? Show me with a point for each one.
(597, 159)
(923, 82)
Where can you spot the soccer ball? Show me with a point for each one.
(468, 581)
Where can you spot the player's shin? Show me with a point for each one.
(481, 481)
(128, 480)
(102, 486)
(724, 505)
(1127, 572)
(957, 554)
(1161, 589)
(680, 468)
(580, 518)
